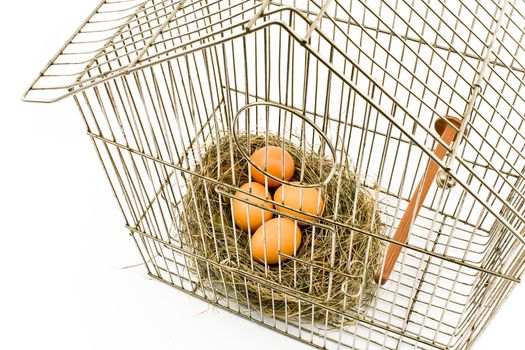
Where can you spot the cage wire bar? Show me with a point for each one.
(158, 82)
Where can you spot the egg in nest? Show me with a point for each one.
(305, 199)
(278, 234)
(249, 217)
(276, 161)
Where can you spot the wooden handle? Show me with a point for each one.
(448, 134)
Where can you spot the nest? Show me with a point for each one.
(347, 284)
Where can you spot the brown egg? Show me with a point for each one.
(249, 216)
(306, 200)
(290, 240)
(272, 159)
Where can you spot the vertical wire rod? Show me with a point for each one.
(259, 13)
(316, 20)
(476, 88)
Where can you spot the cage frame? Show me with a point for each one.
(144, 60)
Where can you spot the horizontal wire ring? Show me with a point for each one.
(292, 111)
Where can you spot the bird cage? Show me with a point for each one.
(406, 118)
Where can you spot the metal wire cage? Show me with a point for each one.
(363, 82)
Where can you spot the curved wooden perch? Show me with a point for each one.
(448, 134)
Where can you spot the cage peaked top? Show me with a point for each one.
(406, 118)
(121, 36)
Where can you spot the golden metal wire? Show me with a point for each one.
(156, 81)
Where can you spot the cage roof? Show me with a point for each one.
(121, 36)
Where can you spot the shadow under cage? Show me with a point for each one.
(405, 117)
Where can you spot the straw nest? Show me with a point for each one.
(347, 285)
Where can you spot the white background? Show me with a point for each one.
(62, 241)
